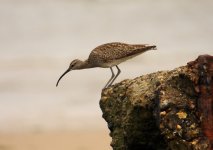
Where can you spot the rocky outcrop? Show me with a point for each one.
(166, 110)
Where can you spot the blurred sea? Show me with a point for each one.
(38, 39)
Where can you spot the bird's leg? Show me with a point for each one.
(113, 75)
(119, 71)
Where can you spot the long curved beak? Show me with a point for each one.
(68, 70)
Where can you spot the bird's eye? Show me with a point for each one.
(72, 65)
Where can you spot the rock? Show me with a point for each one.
(166, 110)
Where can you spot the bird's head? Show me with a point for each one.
(74, 65)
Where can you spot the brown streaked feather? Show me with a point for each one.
(114, 51)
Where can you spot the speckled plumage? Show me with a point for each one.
(107, 56)
(111, 54)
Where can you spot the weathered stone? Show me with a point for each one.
(160, 111)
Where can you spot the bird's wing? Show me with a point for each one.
(112, 51)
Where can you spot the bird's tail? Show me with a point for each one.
(145, 47)
(151, 47)
(139, 49)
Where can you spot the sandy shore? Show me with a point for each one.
(75, 140)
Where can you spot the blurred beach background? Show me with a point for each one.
(38, 40)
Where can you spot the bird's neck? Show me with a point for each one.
(85, 64)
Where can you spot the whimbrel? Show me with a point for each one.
(107, 56)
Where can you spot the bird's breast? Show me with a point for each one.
(111, 63)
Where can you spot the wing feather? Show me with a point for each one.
(112, 51)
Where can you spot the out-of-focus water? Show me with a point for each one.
(38, 39)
